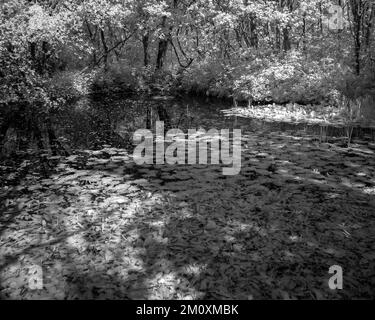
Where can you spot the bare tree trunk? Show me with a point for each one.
(278, 40)
(286, 40)
(253, 32)
(356, 8)
(162, 48)
(105, 48)
(162, 52)
(145, 42)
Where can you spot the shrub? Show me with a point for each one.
(117, 77)
(286, 79)
(357, 92)
(207, 77)
(65, 86)
(279, 78)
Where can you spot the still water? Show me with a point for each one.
(96, 121)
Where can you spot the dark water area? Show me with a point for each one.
(97, 121)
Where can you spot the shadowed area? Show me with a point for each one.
(101, 227)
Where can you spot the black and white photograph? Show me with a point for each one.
(201, 150)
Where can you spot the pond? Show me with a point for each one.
(96, 121)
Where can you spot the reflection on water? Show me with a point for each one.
(96, 121)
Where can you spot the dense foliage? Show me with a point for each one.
(310, 51)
